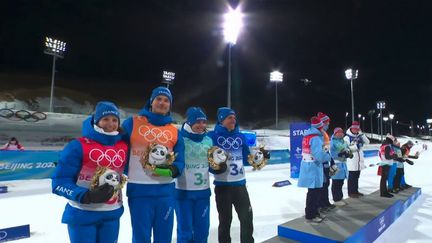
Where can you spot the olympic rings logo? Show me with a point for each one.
(108, 158)
(196, 151)
(22, 115)
(155, 134)
(3, 235)
(229, 142)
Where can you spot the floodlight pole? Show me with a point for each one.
(346, 122)
(352, 100)
(229, 76)
(52, 83)
(381, 124)
(276, 105)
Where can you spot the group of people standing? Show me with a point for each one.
(168, 172)
(90, 169)
(326, 159)
(393, 157)
(341, 157)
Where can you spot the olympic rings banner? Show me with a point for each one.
(22, 165)
(28, 116)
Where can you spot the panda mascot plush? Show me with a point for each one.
(108, 176)
(157, 156)
(258, 157)
(216, 156)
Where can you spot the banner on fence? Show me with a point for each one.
(22, 165)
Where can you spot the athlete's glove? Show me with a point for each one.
(99, 194)
(222, 168)
(168, 171)
(409, 161)
(333, 170)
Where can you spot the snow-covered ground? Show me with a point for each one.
(31, 202)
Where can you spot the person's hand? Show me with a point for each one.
(266, 154)
(149, 167)
(333, 170)
(99, 194)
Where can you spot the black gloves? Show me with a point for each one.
(99, 194)
(266, 154)
(222, 168)
(174, 171)
(342, 154)
(399, 159)
(345, 154)
(409, 161)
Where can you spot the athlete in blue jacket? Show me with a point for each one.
(151, 187)
(193, 187)
(311, 168)
(93, 211)
(230, 186)
(340, 151)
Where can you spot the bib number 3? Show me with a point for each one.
(199, 179)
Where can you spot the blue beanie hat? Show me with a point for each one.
(161, 91)
(223, 112)
(195, 114)
(105, 108)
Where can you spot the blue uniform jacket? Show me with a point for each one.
(66, 174)
(219, 130)
(338, 145)
(311, 173)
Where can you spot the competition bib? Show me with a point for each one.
(195, 175)
(235, 170)
(143, 134)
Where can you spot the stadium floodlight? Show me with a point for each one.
(232, 25)
(55, 48)
(276, 77)
(429, 121)
(351, 74)
(380, 106)
(231, 29)
(168, 78)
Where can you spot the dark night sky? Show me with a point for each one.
(118, 49)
